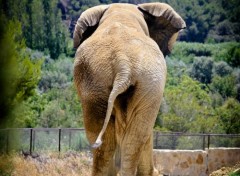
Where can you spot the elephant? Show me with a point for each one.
(120, 74)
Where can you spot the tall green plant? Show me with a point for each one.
(188, 107)
(19, 74)
(42, 25)
(229, 115)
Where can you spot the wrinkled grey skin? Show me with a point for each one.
(120, 74)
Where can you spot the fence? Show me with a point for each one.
(43, 139)
(186, 141)
(63, 139)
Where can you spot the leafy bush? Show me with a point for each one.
(229, 115)
(202, 70)
(186, 52)
(188, 107)
(226, 86)
(234, 56)
(19, 74)
(222, 69)
(56, 74)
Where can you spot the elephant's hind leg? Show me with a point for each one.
(94, 114)
(145, 165)
(103, 157)
(138, 136)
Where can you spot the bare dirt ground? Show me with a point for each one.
(66, 164)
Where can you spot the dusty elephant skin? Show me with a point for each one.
(120, 74)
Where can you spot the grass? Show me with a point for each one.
(227, 171)
(66, 164)
(52, 164)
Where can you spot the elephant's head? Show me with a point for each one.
(161, 21)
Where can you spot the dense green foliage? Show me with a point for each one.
(19, 74)
(207, 20)
(41, 24)
(203, 85)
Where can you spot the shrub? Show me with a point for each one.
(234, 56)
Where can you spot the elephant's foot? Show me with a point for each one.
(156, 173)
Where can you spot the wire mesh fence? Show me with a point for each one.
(63, 139)
(43, 139)
(184, 141)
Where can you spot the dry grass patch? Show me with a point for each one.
(227, 171)
(52, 164)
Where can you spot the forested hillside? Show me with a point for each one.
(207, 20)
(203, 85)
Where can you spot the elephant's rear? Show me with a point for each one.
(122, 58)
(120, 74)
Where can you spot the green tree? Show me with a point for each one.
(202, 70)
(62, 110)
(226, 86)
(36, 40)
(54, 29)
(229, 115)
(237, 76)
(234, 56)
(15, 10)
(222, 69)
(19, 75)
(41, 22)
(188, 107)
(56, 74)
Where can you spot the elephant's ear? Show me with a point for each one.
(87, 23)
(163, 24)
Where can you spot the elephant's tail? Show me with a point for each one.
(121, 83)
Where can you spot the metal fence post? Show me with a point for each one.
(156, 139)
(203, 142)
(70, 138)
(208, 141)
(7, 145)
(174, 141)
(33, 140)
(59, 139)
(31, 135)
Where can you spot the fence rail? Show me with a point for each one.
(62, 139)
(188, 141)
(42, 139)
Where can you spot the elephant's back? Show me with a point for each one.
(101, 53)
(92, 70)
